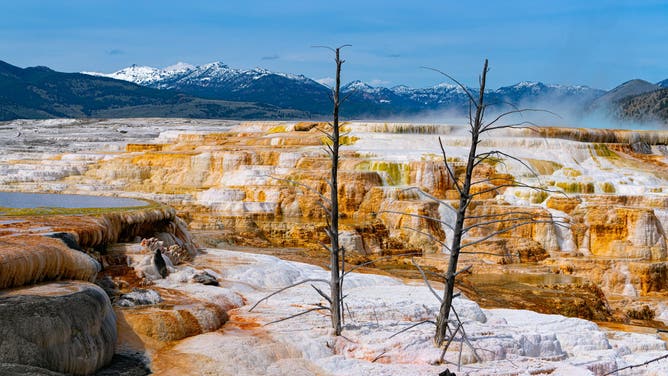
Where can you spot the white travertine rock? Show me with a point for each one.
(509, 341)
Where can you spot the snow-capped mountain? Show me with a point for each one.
(145, 76)
(528, 89)
(437, 96)
(453, 97)
(218, 81)
(362, 91)
(559, 98)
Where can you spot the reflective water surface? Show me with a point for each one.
(17, 200)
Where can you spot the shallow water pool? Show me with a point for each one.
(18, 200)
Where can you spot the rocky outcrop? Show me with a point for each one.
(533, 223)
(8, 369)
(174, 323)
(563, 203)
(511, 251)
(70, 326)
(408, 223)
(67, 327)
(30, 259)
(652, 277)
(237, 181)
(621, 232)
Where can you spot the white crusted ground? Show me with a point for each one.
(511, 342)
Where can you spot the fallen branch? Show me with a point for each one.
(319, 308)
(379, 356)
(637, 365)
(286, 288)
(411, 327)
(426, 281)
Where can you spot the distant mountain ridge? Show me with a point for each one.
(218, 81)
(627, 89)
(217, 91)
(636, 101)
(646, 107)
(39, 92)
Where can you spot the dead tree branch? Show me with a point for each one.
(426, 281)
(637, 365)
(318, 308)
(286, 288)
(411, 327)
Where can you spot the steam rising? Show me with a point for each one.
(546, 112)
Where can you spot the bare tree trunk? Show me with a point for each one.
(335, 285)
(337, 254)
(464, 200)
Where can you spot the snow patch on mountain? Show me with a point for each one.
(141, 75)
(169, 77)
(179, 67)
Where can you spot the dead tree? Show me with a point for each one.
(450, 329)
(478, 127)
(335, 279)
(331, 207)
(464, 201)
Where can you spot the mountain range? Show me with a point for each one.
(218, 81)
(215, 90)
(39, 92)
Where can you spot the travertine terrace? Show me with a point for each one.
(229, 181)
(233, 183)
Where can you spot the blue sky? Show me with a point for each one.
(596, 43)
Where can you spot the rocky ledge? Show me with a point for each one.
(54, 319)
(67, 327)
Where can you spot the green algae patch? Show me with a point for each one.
(277, 129)
(576, 187)
(544, 167)
(343, 140)
(607, 187)
(393, 172)
(570, 172)
(538, 197)
(13, 212)
(602, 150)
(492, 161)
